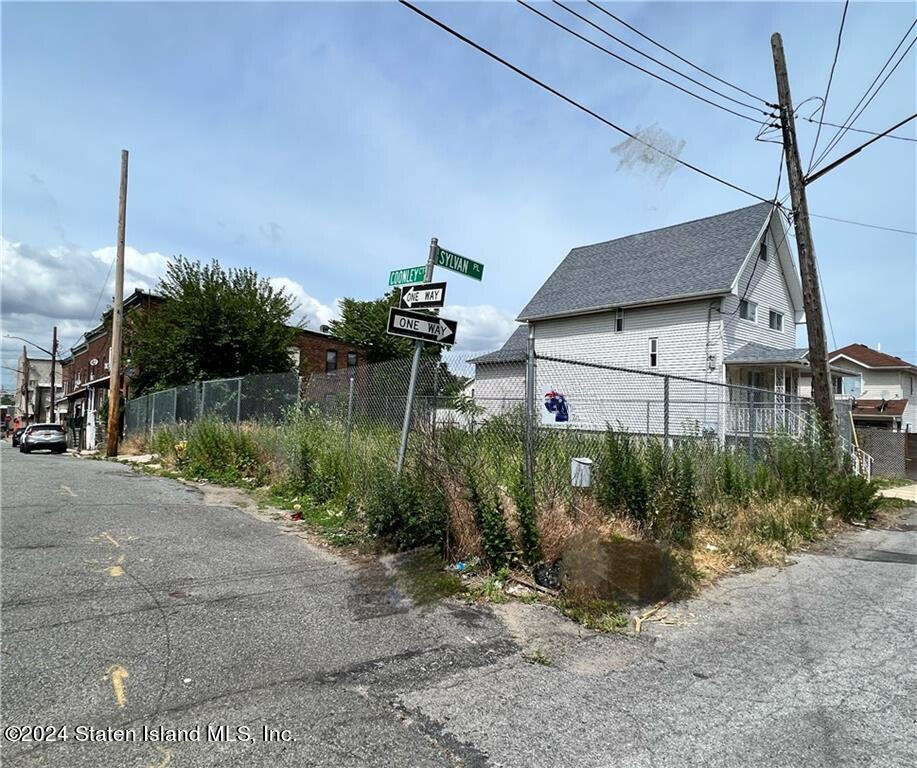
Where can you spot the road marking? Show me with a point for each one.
(107, 535)
(67, 489)
(116, 569)
(166, 758)
(116, 673)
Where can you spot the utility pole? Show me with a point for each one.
(25, 379)
(811, 295)
(114, 383)
(415, 366)
(53, 414)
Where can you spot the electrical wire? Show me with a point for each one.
(864, 224)
(855, 130)
(541, 84)
(824, 101)
(604, 31)
(630, 63)
(677, 56)
(854, 114)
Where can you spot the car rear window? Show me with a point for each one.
(47, 428)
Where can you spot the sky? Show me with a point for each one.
(324, 144)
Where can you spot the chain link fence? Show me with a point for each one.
(259, 397)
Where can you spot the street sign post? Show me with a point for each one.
(421, 326)
(407, 275)
(423, 296)
(459, 264)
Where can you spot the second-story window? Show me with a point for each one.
(763, 251)
(619, 320)
(351, 359)
(776, 321)
(331, 360)
(654, 352)
(748, 310)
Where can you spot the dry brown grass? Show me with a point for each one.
(135, 445)
(558, 526)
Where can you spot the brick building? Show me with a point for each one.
(86, 374)
(320, 352)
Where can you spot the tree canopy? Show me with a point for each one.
(214, 323)
(365, 322)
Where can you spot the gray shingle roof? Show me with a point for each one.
(513, 349)
(760, 353)
(699, 257)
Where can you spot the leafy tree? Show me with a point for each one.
(214, 323)
(365, 323)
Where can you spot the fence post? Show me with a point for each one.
(349, 414)
(751, 429)
(435, 399)
(530, 414)
(665, 412)
(238, 401)
(647, 417)
(152, 415)
(175, 405)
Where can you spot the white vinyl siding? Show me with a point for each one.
(762, 282)
(597, 397)
(499, 386)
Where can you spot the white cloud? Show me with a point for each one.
(313, 312)
(65, 286)
(481, 328)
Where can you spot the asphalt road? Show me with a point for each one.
(129, 602)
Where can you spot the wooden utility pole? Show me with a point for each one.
(53, 415)
(114, 384)
(811, 295)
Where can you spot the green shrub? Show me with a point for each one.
(620, 477)
(496, 541)
(528, 522)
(854, 497)
(404, 511)
(216, 450)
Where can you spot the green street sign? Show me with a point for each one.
(459, 264)
(407, 275)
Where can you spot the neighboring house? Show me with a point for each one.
(499, 380)
(882, 387)
(716, 299)
(86, 373)
(320, 352)
(33, 389)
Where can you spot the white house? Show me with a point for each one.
(882, 387)
(716, 300)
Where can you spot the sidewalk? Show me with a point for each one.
(908, 492)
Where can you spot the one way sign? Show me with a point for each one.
(419, 325)
(423, 296)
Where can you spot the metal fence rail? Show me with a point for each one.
(259, 397)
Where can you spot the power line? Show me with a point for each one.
(854, 115)
(824, 101)
(574, 103)
(630, 63)
(677, 56)
(855, 130)
(809, 179)
(864, 224)
(655, 60)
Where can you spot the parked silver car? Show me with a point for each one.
(43, 437)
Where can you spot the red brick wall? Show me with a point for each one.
(313, 346)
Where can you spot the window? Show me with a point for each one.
(351, 359)
(331, 360)
(763, 252)
(776, 321)
(619, 320)
(654, 352)
(748, 310)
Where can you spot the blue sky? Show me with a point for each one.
(325, 144)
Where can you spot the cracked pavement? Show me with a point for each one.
(207, 613)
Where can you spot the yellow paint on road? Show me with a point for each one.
(166, 758)
(107, 535)
(116, 673)
(117, 569)
(65, 488)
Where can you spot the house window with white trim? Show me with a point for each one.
(776, 321)
(763, 251)
(619, 320)
(748, 310)
(654, 352)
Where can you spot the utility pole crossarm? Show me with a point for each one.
(808, 271)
